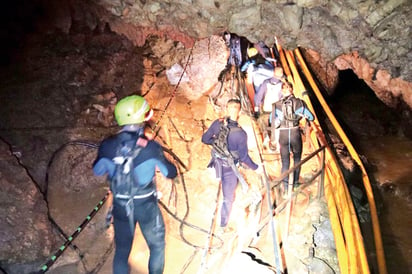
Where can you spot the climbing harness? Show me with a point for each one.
(220, 150)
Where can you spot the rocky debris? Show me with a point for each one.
(326, 72)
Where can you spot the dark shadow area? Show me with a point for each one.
(358, 110)
(364, 117)
(57, 87)
(53, 82)
(16, 22)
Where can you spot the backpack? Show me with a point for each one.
(122, 184)
(288, 110)
(221, 150)
(219, 145)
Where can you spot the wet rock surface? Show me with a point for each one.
(369, 37)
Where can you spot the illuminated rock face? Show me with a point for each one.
(370, 37)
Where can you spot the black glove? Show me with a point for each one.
(256, 114)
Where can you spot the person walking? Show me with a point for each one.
(226, 166)
(270, 93)
(286, 116)
(142, 207)
(257, 69)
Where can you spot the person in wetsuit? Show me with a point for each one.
(258, 69)
(285, 116)
(237, 145)
(131, 113)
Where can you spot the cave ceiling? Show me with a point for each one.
(373, 38)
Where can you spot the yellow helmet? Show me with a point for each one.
(251, 52)
(132, 109)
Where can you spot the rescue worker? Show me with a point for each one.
(237, 48)
(131, 113)
(270, 93)
(258, 69)
(237, 52)
(237, 146)
(286, 116)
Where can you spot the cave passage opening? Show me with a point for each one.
(375, 130)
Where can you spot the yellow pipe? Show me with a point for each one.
(284, 64)
(354, 256)
(352, 231)
(350, 222)
(347, 218)
(355, 156)
(335, 212)
(337, 229)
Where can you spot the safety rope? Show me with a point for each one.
(183, 222)
(62, 248)
(173, 93)
(69, 239)
(265, 181)
(209, 238)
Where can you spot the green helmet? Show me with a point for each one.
(132, 109)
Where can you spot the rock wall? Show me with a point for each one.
(370, 37)
(26, 233)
